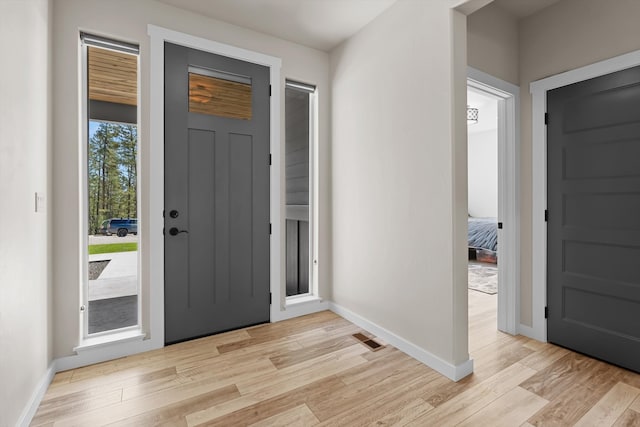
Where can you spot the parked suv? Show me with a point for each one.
(119, 226)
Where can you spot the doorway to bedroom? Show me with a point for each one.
(482, 174)
(493, 155)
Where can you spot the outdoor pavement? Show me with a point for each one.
(118, 279)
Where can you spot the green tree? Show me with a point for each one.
(127, 154)
(112, 173)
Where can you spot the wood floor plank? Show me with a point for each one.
(134, 407)
(573, 402)
(309, 352)
(511, 409)
(405, 415)
(560, 375)
(300, 416)
(635, 405)
(174, 414)
(610, 407)
(469, 402)
(629, 418)
(283, 402)
(112, 381)
(546, 355)
(376, 403)
(76, 402)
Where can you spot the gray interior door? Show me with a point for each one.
(593, 164)
(216, 193)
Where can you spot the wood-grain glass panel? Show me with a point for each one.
(219, 97)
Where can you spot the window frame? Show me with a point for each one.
(87, 40)
(313, 292)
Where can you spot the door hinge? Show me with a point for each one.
(546, 215)
(270, 160)
(270, 299)
(546, 312)
(269, 228)
(546, 118)
(269, 90)
(500, 225)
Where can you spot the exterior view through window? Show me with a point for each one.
(299, 103)
(111, 283)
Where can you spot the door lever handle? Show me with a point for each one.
(174, 231)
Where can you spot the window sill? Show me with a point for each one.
(297, 301)
(110, 339)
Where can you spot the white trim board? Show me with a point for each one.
(453, 372)
(538, 91)
(508, 96)
(33, 404)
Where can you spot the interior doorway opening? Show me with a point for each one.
(493, 191)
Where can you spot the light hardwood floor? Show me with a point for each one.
(311, 371)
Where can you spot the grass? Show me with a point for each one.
(112, 247)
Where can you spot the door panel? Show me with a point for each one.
(593, 237)
(216, 194)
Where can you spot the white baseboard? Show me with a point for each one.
(530, 332)
(300, 309)
(32, 406)
(453, 372)
(98, 354)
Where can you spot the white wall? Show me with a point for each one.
(397, 157)
(492, 39)
(127, 20)
(483, 174)
(24, 234)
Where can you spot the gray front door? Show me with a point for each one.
(216, 193)
(593, 290)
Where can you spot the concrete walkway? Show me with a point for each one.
(118, 279)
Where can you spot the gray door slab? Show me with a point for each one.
(217, 200)
(593, 167)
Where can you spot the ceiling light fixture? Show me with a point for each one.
(472, 115)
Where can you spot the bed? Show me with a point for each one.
(483, 239)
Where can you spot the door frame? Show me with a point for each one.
(538, 90)
(158, 37)
(508, 96)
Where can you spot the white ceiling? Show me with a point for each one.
(321, 24)
(524, 8)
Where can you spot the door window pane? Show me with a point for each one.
(219, 97)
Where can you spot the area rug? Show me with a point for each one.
(483, 278)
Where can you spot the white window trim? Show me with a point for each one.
(312, 295)
(538, 91)
(113, 335)
(509, 197)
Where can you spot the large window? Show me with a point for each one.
(110, 288)
(299, 159)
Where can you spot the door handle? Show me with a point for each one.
(174, 231)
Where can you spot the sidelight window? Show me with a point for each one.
(111, 231)
(300, 101)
